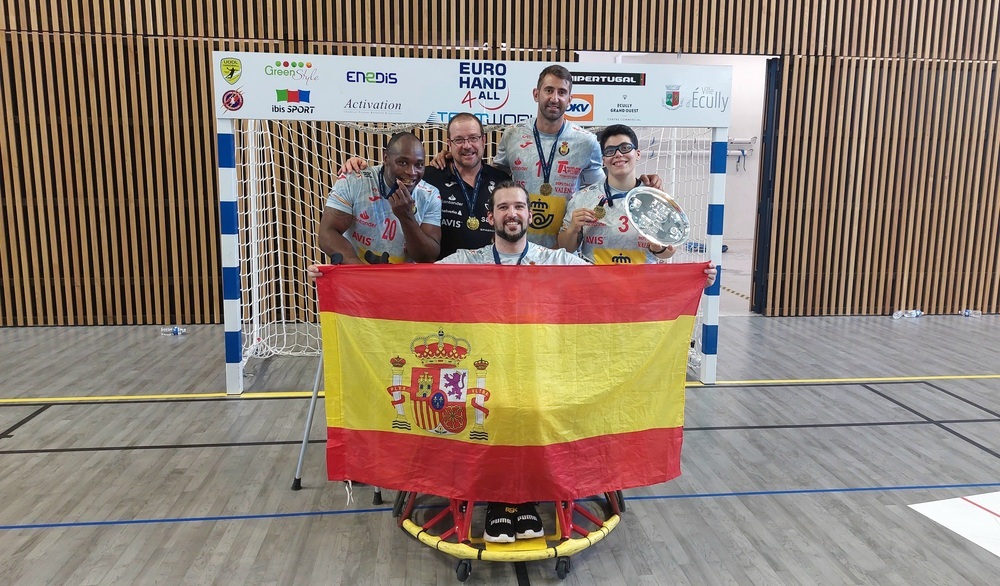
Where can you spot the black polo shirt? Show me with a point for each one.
(455, 233)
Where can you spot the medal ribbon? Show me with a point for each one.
(470, 201)
(383, 187)
(385, 192)
(496, 255)
(610, 199)
(546, 165)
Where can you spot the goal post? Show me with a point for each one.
(286, 123)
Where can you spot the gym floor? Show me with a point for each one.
(123, 462)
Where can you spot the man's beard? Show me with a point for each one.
(549, 116)
(512, 238)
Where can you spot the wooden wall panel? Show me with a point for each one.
(879, 200)
(939, 29)
(887, 149)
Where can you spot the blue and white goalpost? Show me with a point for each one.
(286, 122)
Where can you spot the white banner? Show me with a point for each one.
(381, 89)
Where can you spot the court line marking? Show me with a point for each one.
(752, 493)
(296, 442)
(971, 502)
(856, 380)
(963, 399)
(914, 411)
(6, 434)
(308, 394)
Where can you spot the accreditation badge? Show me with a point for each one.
(547, 213)
(611, 256)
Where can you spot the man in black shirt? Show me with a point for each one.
(465, 186)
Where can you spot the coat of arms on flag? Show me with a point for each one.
(439, 394)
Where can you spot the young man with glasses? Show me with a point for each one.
(596, 222)
(465, 185)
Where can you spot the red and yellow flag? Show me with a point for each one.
(510, 383)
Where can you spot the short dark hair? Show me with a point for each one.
(508, 184)
(465, 116)
(615, 130)
(558, 71)
(400, 136)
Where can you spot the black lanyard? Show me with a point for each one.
(496, 255)
(384, 189)
(546, 165)
(610, 199)
(471, 201)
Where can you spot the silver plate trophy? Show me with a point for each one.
(657, 216)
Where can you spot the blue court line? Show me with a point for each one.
(813, 491)
(191, 519)
(385, 509)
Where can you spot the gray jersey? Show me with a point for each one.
(612, 239)
(577, 162)
(375, 227)
(536, 255)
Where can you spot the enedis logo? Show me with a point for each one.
(581, 109)
(371, 77)
(297, 70)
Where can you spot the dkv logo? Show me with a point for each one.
(581, 109)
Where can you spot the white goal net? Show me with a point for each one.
(285, 169)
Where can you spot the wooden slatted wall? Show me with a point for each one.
(885, 175)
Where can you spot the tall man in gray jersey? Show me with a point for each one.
(550, 157)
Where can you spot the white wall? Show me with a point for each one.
(749, 77)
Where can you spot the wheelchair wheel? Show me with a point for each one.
(463, 570)
(562, 567)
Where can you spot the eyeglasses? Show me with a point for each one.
(460, 141)
(623, 148)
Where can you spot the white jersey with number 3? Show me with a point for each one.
(612, 239)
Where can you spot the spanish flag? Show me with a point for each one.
(506, 383)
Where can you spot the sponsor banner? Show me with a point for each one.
(382, 89)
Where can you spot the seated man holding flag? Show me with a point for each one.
(509, 214)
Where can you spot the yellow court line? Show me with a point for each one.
(164, 397)
(813, 381)
(307, 394)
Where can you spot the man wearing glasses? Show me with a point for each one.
(596, 223)
(466, 184)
